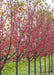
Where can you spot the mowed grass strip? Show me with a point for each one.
(10, 68)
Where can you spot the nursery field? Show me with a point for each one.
(10, 68)
(27, 33)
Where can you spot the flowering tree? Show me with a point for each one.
(27, 32)
(5, 39)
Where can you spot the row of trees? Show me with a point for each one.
(26, 33)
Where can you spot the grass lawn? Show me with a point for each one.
(10, 68)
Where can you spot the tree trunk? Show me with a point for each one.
(28, 66)
(0, 72)
(17, 66)
(45, 65)
(40, 67)
(51, 62)
(0, 59)
(34, 66)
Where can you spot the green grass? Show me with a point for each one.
(10, 68)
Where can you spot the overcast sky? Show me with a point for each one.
(50, 3)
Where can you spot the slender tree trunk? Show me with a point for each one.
(0, 59)
(45, 65)
(17, 66)
(28, 66)
(51, 62)
(40, 67)
(0, 72)
(34, 66)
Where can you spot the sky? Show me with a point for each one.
(51, 3)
